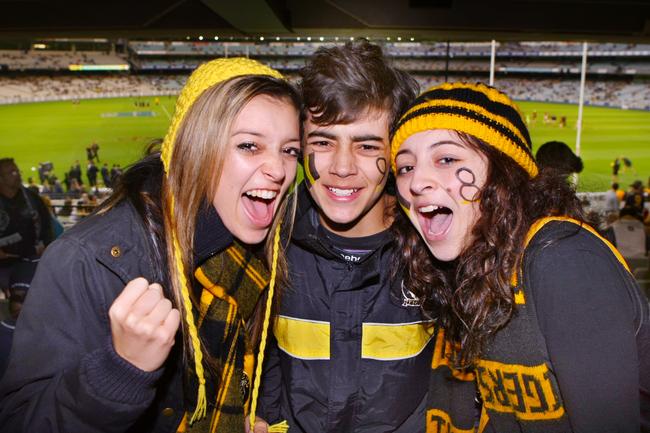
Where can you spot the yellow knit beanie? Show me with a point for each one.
(204, 77)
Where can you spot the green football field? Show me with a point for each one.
(59, 132)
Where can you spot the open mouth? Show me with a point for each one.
(435, 221)
(259, 205)
(342, 192)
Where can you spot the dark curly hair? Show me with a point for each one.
(471, 297)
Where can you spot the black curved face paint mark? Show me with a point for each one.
(382, 166)
(467, 178)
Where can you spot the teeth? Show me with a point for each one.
(429, 208)
(262, 193)
(343, 192)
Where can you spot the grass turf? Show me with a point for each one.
(607, 133)
(59, 132)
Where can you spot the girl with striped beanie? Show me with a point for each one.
(542, 318)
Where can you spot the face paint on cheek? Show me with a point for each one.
(382, 167)
(467, 178)
(311, 174)
(404, 203)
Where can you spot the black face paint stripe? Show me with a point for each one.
(312, 167)
(311, 174)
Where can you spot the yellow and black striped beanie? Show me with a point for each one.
(475, 109)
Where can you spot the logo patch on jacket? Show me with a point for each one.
(244, 386)
(409, 299)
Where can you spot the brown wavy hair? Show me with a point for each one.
(339, 84)
(471, 297)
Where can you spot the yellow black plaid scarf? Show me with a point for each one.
(232, 282)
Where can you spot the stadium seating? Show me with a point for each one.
(618, 74)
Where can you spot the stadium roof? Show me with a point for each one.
(598, 20)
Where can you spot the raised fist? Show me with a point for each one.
(143, 324)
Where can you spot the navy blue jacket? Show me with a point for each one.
(64, 375)
(351, 351)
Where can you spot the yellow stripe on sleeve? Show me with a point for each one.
(303, 339)
(393, 341)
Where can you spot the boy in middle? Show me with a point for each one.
(351, 351)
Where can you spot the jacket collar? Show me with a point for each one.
(210, 235)
(307, 229)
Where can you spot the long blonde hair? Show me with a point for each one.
(196, 164)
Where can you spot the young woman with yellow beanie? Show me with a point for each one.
(540, 314)
(139, 317)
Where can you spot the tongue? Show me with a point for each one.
(439, 223)
(259, 210)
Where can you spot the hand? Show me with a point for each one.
(4, 255)
(143, 324)
(261, 426)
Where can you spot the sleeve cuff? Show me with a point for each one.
(114, 378)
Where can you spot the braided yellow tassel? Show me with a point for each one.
(201, 403)
(281, 427)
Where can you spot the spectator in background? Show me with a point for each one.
(20, 280)
(92, 152)
(57, 227)
(616, 167)
(31, 185)
(628, 234)
(75, 188)
(95, 149)
(106, 178)
(66, 181)
(66, 210)
(634, 198)
(75, 172)
(42, 172)
(57, 188)
(627, 164)
(115, 172)
(558, 156)
(45, 188)
(91, 173)
(620, 194)
(612, 201)
(25, 227)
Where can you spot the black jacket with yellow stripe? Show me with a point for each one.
(350, 353)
